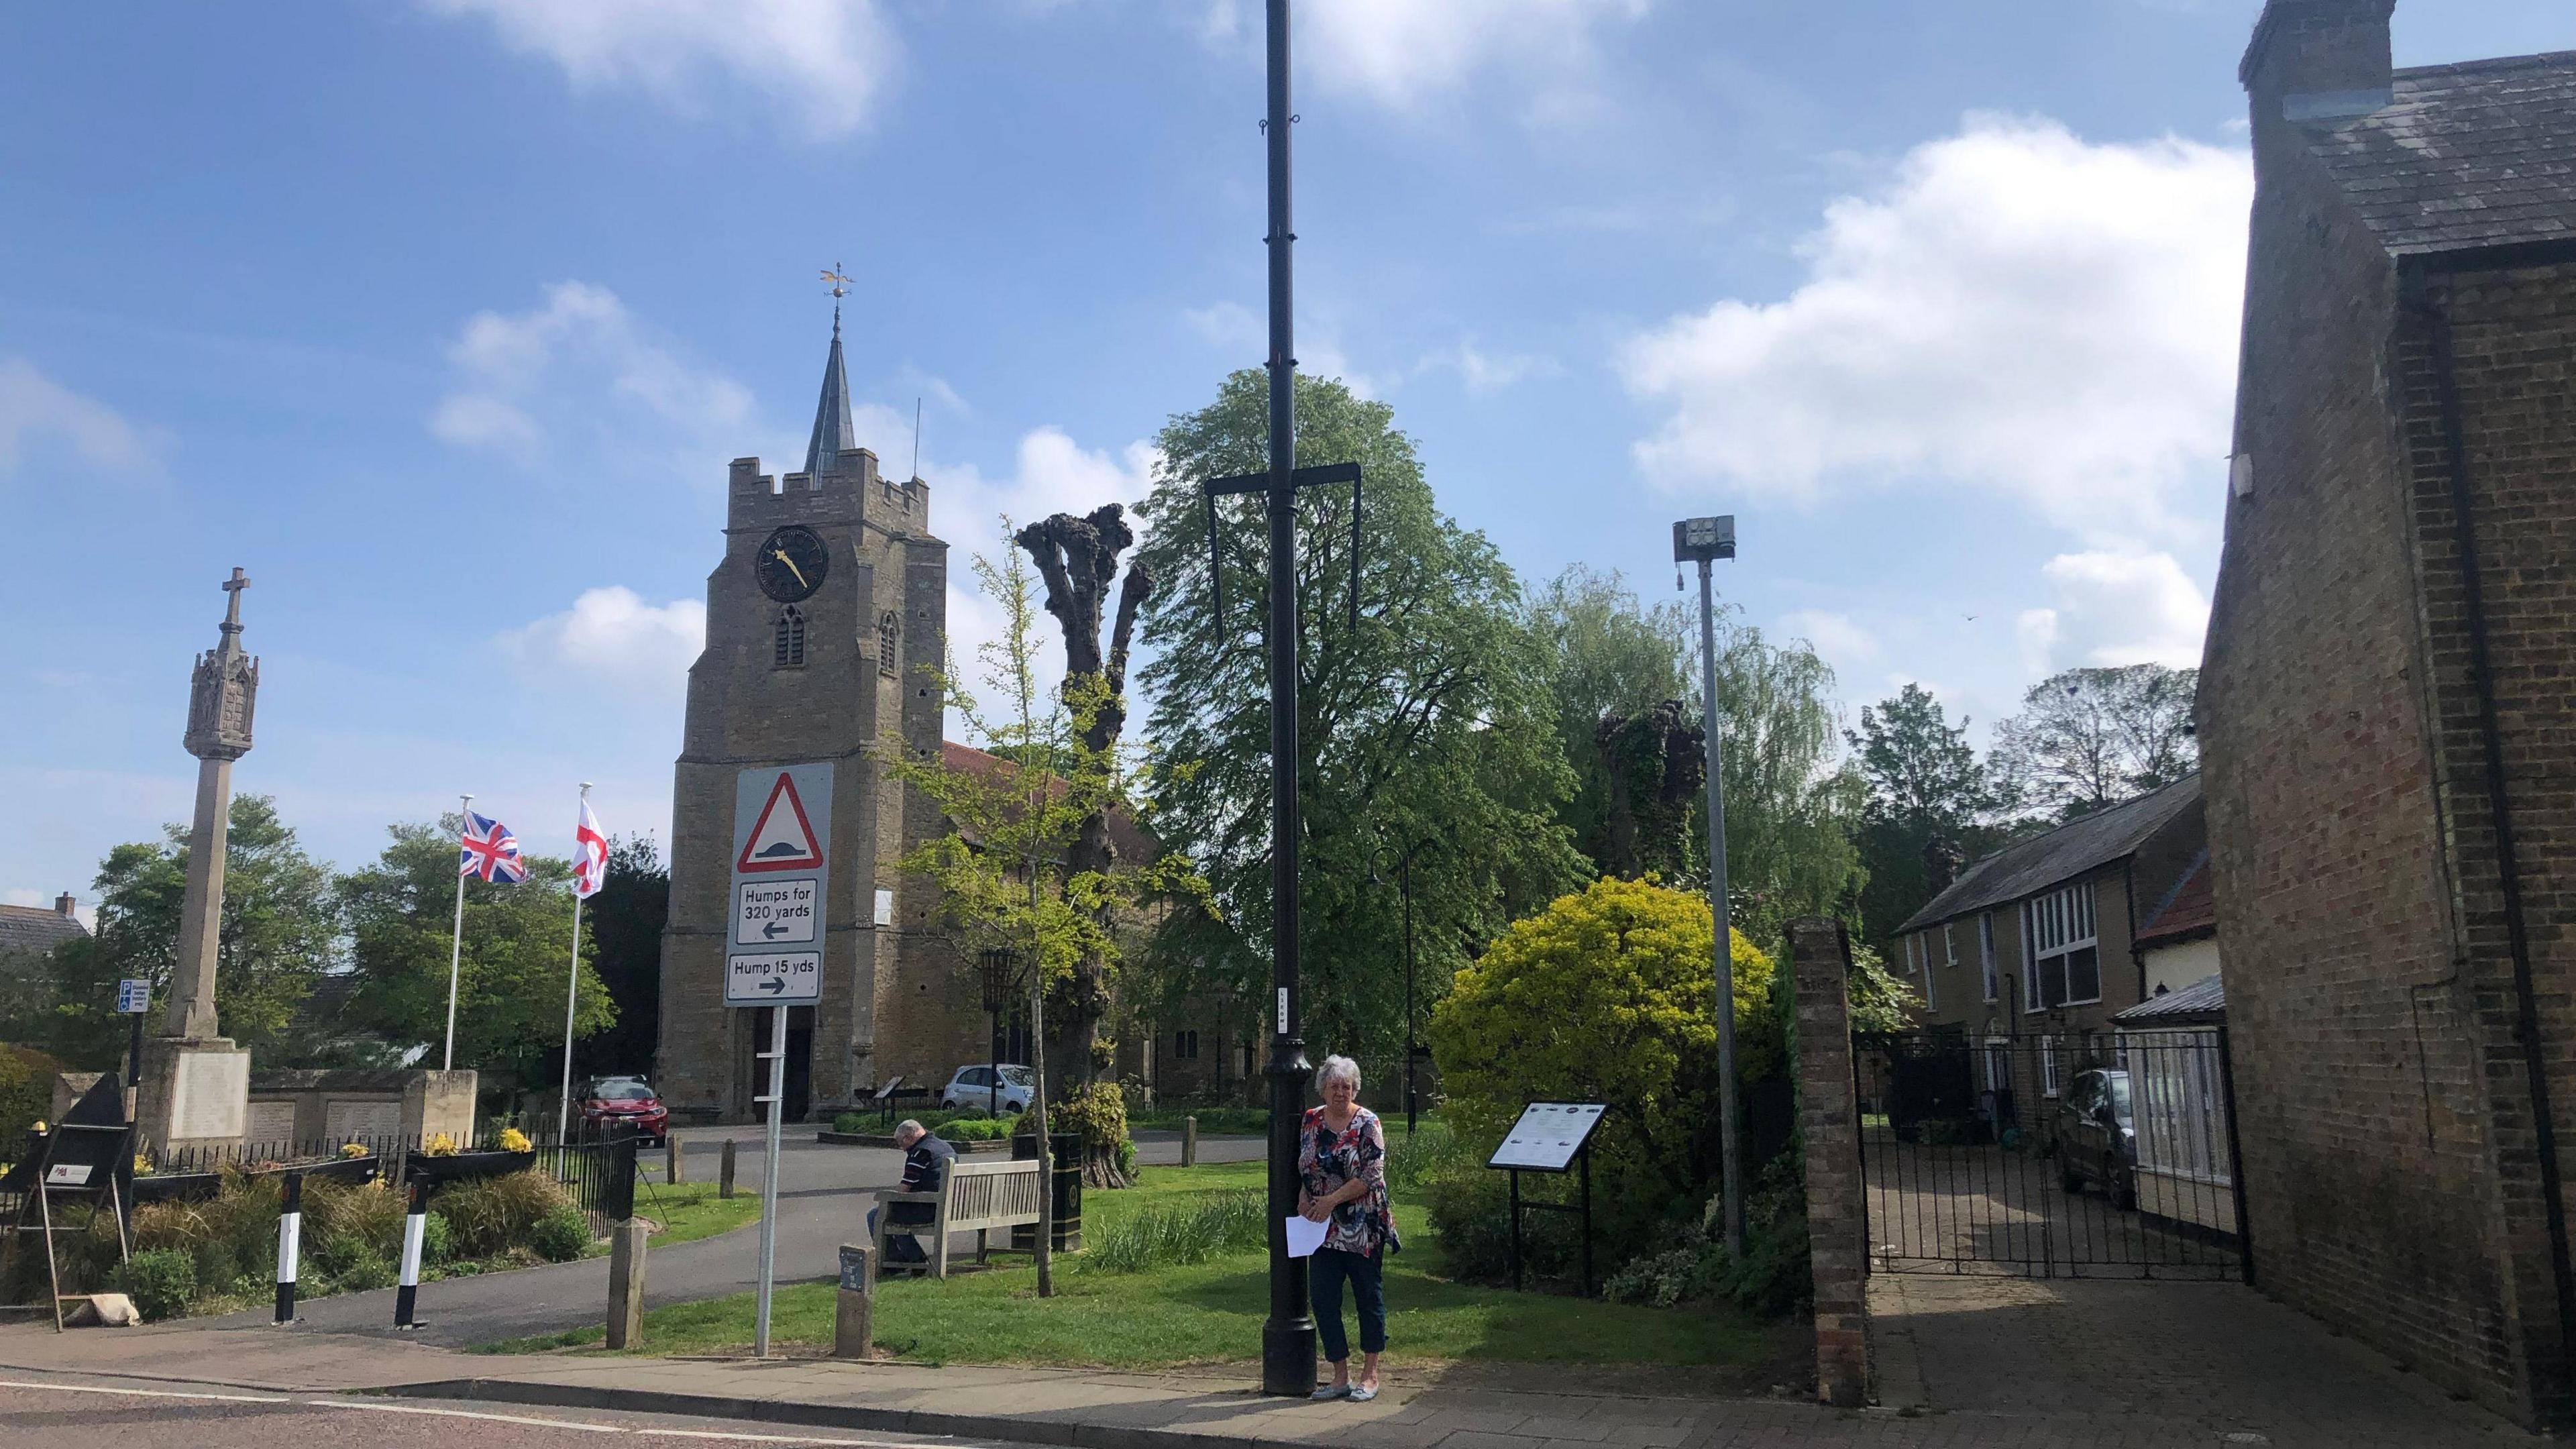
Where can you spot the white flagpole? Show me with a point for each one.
(456, 942)
(572, 980)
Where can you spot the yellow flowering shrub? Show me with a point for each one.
(353, 1149)
(514, 1140)
(439, 1145)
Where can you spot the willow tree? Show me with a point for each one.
(1427, 728)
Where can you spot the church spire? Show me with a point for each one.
(833, 432)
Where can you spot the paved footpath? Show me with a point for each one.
(1475, 1408)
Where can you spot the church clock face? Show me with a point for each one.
(791, 563)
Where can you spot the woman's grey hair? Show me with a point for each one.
(1337, 1068)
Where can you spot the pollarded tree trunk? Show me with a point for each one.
(1078, 559)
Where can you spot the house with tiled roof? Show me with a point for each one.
(2177, 945)
(2385, 707)
(28, 936)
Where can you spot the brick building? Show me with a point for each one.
(2384, 704)
(2038, 940)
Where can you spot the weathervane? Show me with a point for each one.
(840, 288)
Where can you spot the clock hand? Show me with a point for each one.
(780, 554)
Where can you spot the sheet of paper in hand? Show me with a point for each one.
(1304, 1237)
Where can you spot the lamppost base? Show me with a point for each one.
(1288, 1357)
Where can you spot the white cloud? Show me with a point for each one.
(34, 405)
(824, 62)
(611, 637)
(2018, 311)
(1843, 642)
(1482, 372)
(2110, 609)
(582, 364)
(1054, 474)
(1402, 53)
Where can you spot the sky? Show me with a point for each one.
(442, 317)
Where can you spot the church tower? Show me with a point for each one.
(826, 610)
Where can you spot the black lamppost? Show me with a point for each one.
(1001, 973)
(1288, 1335)
(1412, 1048)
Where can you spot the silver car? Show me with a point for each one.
(975, 1087)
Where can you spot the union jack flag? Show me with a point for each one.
(489, 851)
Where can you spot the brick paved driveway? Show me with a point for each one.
(1984, 1208)
(2205, 1360)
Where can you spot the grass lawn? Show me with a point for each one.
(1208, 1312)
(692, 1210)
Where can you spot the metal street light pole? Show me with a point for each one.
(1288, 1337)
(1412, 1110)
(1704, 540)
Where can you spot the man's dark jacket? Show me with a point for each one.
(925, 1166)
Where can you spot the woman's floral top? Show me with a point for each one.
(1326, 1160)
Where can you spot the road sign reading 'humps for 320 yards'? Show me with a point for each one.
(782, 837)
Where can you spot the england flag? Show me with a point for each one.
(589, 855)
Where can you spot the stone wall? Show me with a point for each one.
(1829, 1125)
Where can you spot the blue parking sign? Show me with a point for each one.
(133, 998)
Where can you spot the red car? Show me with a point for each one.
(623, 1104)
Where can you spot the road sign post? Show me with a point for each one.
(782, 825)
(134, 1001)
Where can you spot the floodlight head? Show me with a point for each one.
(1696, 539)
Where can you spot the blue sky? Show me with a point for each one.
(442, 318)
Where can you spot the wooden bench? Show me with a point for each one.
(972, 1197)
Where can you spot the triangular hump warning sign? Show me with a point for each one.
(781, 839)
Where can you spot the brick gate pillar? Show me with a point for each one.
(1828, 1124)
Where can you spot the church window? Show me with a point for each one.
(787, 641)
(888, 631)
(1185, 1045)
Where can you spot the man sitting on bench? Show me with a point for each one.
(925, 1165)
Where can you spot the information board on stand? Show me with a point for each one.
(1554, 1138)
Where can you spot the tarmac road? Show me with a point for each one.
(87, 1409)
(824, 1193)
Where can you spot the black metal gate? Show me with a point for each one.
(2051, 1154)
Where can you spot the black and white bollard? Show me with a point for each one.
(290, 1235)
(415, 1223)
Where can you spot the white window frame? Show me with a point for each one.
(1986, 947)
(2049, 1085)
(1931, 992)
(2054, 927)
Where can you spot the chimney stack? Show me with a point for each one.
(2318, 60)
(64, 903)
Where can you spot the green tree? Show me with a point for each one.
(510, 978)
(1430, 721)
(2089, 739)
(278, 931)
(1927, 792)
(1792, 806)
(1607, 996)
(1004, 870)
(623, 927)
(1608, 655)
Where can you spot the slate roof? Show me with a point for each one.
(2206, 997)
(2062, 854)
(36, 929)
(2188, 912)
(2478, 154)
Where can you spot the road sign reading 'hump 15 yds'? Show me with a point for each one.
(782, 838)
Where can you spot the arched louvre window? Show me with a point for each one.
(787, 640)
(889, 637)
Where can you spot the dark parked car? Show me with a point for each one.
(623, 1104)
(2097, 1140)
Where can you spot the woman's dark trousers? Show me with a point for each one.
(1328, 1270)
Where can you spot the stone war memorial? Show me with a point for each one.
(196, 1090)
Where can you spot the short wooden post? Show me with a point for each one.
(671, 1161)
(724, 1171)
(626, 1283)
(1190, 1141)
(854, 1316)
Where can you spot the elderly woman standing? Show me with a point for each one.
(1341, 1167)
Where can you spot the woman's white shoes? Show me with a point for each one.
(1363, 1393)
(1332, 1391)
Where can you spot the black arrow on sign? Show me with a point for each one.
(774, 930)
(774, 985)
